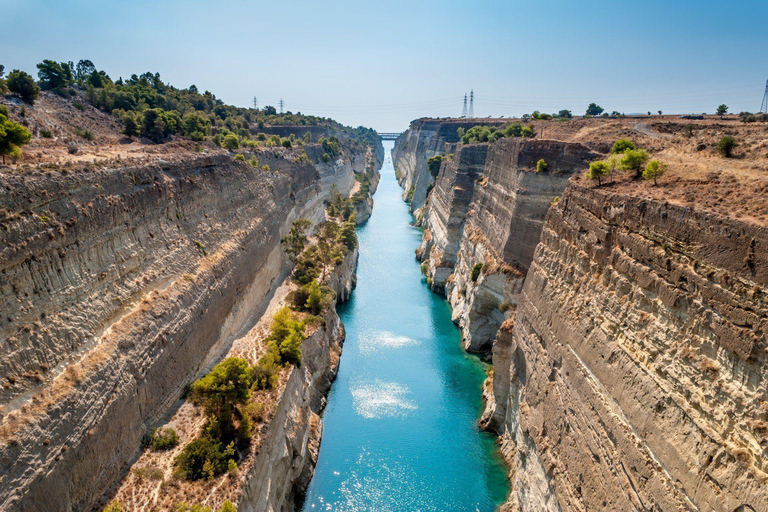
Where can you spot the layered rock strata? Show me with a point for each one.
(424, 139)
(628, 335)
(482, 222)
(119, 286)
(634, 375)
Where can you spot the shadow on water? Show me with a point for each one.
(399, 431)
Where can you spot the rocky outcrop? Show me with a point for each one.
(634, 376)
(482, 222)
(119, 286)
(288, 455)
(424, 139)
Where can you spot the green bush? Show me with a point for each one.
(476, 271)
(114, 506)
(433, 164)
(230, 141)
(286, 335)
(541, 166)
(264, 374)
(12, 137)
(46, 134)
(622, 145)
(163, 439)
(726, 145)
(203, 458)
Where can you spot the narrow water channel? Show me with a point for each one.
(400, 428)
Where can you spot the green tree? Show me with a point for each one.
(195, 125)
(54, 75)
(654, 170)
(12, 137)
(286, 335)
(224, 388)
(433, 164)
(83, 70)
(722, 110)
(597, 171)
(314, 302)
(565, 113)
(3, 83)
(296, 238)
(347, 233)
(131, 126)
(527, 132)
(621, 145)
(308, 137)
(634, 160)
(541, 165)
(594, 109)
(24, 85)
(726, 145)
(230, 141)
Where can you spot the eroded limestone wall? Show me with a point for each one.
(119, 287)
(634, 375)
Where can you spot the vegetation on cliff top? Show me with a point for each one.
(481, 133)
(151, 108)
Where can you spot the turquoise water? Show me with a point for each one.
(400, 428)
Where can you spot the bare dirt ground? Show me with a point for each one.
(698, 176)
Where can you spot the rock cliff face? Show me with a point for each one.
(634, 376)
(485, 213)
(119, 286)
(424, 139)
(628, 334)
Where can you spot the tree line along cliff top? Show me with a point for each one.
(76, 113)
(697, 175)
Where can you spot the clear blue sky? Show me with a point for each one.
(383, 64)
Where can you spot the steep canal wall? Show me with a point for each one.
(627, 334)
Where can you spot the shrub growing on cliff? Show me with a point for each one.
(622, 145)
(726, 145)
(541, 165)
(203, 458)
(12, 137)
(476, 271)
(163, 439)
(296, 238)
(597, 171)
(433, 164)
(654, 170)
(286, 335)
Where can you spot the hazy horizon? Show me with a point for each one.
(384, 64)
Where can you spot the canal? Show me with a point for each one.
(400, 429)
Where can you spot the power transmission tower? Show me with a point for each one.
(464, 110)
(282, 104)
(255, 103)
(472, 104)
(764, 106)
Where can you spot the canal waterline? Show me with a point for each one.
(400, 429)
